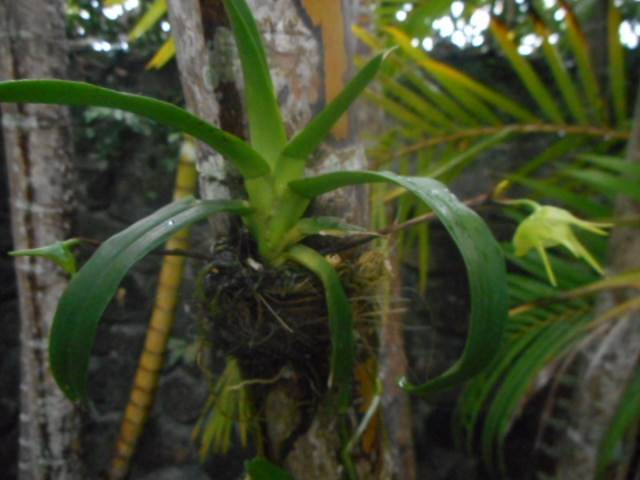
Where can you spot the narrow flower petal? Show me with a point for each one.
(547, 266)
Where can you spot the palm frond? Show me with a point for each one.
(436, 103)
(543, 332)
(447, 119)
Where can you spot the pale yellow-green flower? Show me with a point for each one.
(551, 226)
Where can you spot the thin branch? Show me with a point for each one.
(399, 227)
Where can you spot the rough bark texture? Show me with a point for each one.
(196, 78)
(305, 80)
(609, 360)
(300, 51)
(37, 147)
(395, 402)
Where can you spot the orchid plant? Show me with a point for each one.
(278, 194)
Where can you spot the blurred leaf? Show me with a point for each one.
(454, 80)
(412, 107)
(569, 198)
(629, 279)
(402, 112)
(604, 182)
(527, 74)
(584, 61)
(559, 150)
(152, 15)
(181, 350)
(165, 53)
(571, 273)
(561, 74)
(262, 469)
(446, 106)
(614, 164)
(617, 74)
(462, 159)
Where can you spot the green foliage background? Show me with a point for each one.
(452, 109)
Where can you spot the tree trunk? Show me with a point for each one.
(38, 155)
(610, 359)
(310, 49)
(196, 77)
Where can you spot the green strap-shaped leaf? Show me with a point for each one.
(343, 353)
(89, 292)
(262, 469)
(266, 126)
(249, 162)
(299, 149)
(482, 256)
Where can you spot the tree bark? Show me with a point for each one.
(38, 155)
(196, 78)
(610, 359)
(310, 49)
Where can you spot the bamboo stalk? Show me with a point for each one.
(153, 355)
